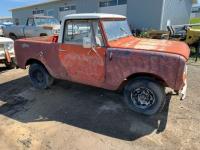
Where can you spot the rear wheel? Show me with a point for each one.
(39, 76)
(145, 96)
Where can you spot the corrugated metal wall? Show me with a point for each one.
(87, 6)
(176, 12)
(145, 14)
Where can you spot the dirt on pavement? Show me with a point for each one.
(77, 117)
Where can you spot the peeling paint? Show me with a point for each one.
(107, 67)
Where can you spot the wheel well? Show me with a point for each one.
(143, 75)
(32, 61)
(43, 34)
(12, 34)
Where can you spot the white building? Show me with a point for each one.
(141, 14)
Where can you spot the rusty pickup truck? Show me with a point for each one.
(99, 50)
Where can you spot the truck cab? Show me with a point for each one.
(99, 50)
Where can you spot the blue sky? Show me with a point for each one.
(6, 5)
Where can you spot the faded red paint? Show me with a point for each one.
(109, 66)
(166, 46)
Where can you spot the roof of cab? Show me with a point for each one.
(92, 16)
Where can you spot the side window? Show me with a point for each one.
(98, 35)
(75, 31)
(31, 22)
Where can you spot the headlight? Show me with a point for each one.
(9, 46)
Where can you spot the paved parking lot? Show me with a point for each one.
(78, 117)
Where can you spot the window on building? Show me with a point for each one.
(102, 4)
(107, 3)
(61, 9)
(73, 7)
(67, 8)
(112, 2)
(122, 2)
(35, 12)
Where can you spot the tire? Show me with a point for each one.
(145, 96)
(39, 76)
(11, 65)
(197, 51)
(13, 37)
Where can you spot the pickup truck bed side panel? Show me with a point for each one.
(45, 52)
(59, 64)
(123, 63)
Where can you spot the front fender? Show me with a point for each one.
(125, 63)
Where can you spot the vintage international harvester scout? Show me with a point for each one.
(99, 50)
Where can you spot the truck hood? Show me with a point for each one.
(165, 46)
(5, 40)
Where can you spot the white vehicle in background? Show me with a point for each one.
(4, 25)
(7, 54)
(1, 30)
(35, 26)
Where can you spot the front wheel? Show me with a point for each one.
(197, 51)
(39, 76)
(145, 96)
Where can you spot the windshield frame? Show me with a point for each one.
(117, 38)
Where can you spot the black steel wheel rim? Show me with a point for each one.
(142, 98)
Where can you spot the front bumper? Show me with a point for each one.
(183, 92)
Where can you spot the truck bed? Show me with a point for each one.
(43, 49)
(43, 39)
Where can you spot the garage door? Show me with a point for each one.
(113, 7)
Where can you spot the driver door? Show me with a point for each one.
(83, 64)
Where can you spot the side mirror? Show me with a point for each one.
(87, 42)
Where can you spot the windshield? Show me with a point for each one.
(46, 21)
(116, 29)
